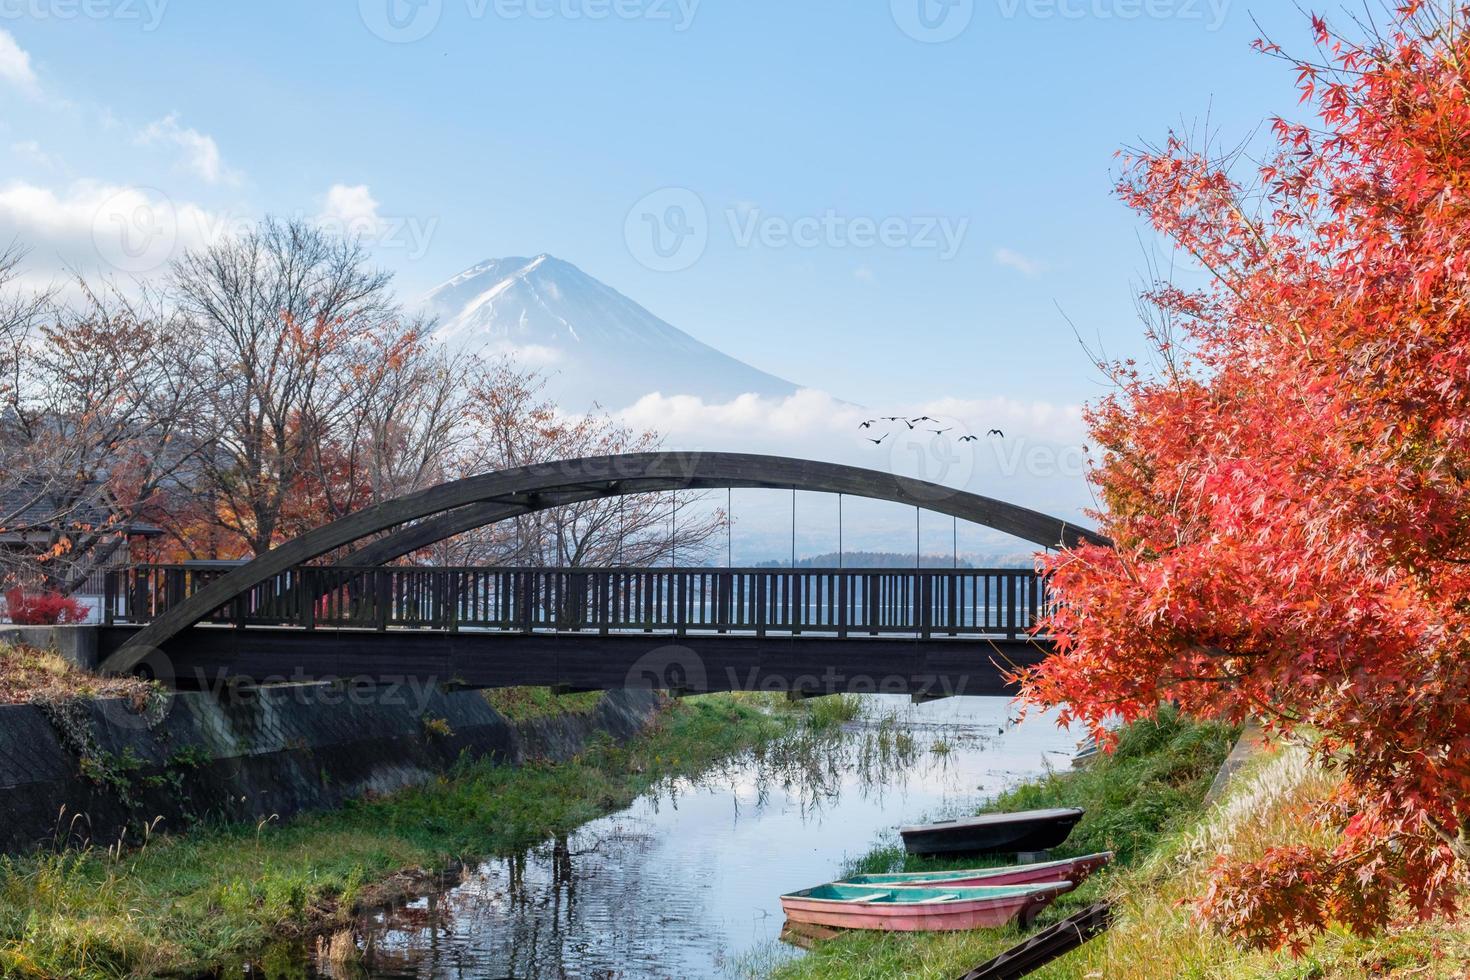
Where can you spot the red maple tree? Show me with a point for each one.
(1288, 487)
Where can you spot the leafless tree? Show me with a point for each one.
(517, 426)
(405, 427)
(286, 318)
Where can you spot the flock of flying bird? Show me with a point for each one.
(914, 424)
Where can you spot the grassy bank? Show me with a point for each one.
(182, 905)
(1153, 785)
(530, 703)
(1157, 936)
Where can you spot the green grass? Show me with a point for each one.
(521, 704)
(1156, 780)
(1155, 783)
(831, 712)
(184, 905)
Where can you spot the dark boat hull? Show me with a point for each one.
(993, 834)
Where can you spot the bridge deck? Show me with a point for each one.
(212, 656)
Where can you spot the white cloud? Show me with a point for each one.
(1024, 264)
(31, 151)
(351, 210)
(1039, 463)
(15, 65)
(95, 227)
(201, 154)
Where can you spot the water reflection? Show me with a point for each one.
(685, 882)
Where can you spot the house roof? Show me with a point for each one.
(28, 508)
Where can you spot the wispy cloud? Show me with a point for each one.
(31, 152)
(15, 65)
(1024, 264)
(201, 155)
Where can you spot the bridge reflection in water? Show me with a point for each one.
(585, 624)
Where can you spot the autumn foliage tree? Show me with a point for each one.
(1288, 488)
(96, 421)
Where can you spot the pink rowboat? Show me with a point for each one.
(917, 909)
(1072, 871)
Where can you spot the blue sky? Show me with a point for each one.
(500, 133)
(480, 128)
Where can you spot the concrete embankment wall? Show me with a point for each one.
(90, 771)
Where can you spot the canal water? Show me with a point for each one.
(686, 881)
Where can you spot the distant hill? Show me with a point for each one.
(593, 343)
(894, 559)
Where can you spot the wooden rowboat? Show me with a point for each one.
(993, 833)
(917, 909)
(1071, 872)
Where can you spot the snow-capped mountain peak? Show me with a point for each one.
(593, 343)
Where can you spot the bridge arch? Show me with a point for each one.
(451, 508)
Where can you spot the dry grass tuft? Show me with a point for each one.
(337, 955)
(28, 675)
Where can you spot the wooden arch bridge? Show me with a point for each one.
(286, 616)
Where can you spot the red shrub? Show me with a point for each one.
(46, 609)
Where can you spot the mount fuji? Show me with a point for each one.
(592, 343)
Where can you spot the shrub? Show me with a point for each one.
(45, 609)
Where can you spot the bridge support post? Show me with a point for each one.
(1013, 605)
(843, 598)
(760, 605)
(925, 593)
(306, 596)
(449, 593)
(383, 590)
(603, 600)
(526, 603)
(681, 599)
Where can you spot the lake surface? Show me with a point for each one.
(686, 881)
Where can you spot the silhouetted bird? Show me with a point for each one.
(996, 432)
(925, 418)
(879, 442)
(940, 432)
(868, 424)
(969, 438)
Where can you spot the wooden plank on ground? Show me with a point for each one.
(1047, 945)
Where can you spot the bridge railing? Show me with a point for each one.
(760, 601)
